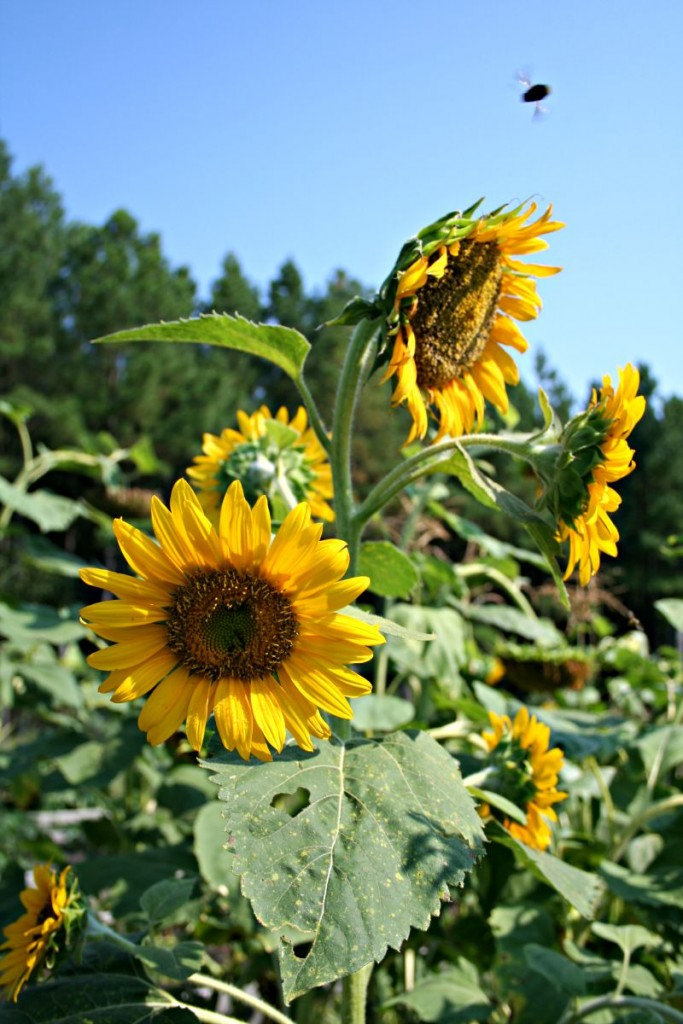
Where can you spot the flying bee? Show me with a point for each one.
(534, 94)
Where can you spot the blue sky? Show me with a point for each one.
(330, 132)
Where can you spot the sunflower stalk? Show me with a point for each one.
(427, 461)
(355, 995)
(314, 417)
(358, 363)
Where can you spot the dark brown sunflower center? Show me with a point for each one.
(227, 623)
(454, 313)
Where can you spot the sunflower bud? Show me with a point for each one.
(525, 772)
(52, 925)
(593, 453)
(270, 455)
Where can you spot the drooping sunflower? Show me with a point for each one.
(598, 442)
(225, 620)
(270, 455)
(526, 773)
(39, 935)
(451, 304)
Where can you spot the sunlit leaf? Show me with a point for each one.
(380, 833)
(381, 713)
(578, 887)
(513, 620)
(392, 574)
(32, 623)
(283, 346)
(628, 937)
(672, 610)
(388, 626)
(50, 512)
(490, 494)
(453, 996)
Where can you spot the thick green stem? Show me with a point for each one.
(314, 417)
(357, 365)
(206, 981)
(355, 995)
(427, 460)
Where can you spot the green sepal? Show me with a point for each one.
(450, 228)
(354, 311)
(566, 468)
(490, 494)
(283, 346)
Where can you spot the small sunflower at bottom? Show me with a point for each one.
(525, 772)
(450, 306)
(593, 453)
(224, 619)
(50, 926)
(270, 455)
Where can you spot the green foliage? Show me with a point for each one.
(391, 573)
(324, 841)
(304, 870)
(283, 346)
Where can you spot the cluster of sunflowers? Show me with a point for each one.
(222, 617)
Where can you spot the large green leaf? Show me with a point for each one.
(54, 679)
(490, 494)
(580, 888)
(48, 511)
(378, 835)
(444, 655)
(95, 999)
(658, 888)
(453, 996)
(42, 554)
(165, 897)
(672, 610)
(513, 620)
(392, 574)
(532, 999)
(32, 624)
(381, 713)
(177, 962)
(565, 975)
(280, 345)
(628, 937)
(662, 745)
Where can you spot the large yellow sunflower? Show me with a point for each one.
(453, 316)
(270, 455)
(37, 935)
(526, 773)
(225, 620)
(614, 414)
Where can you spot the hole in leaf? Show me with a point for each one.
(292, 803)
(302, 949)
